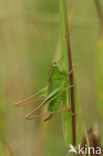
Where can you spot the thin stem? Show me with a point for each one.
(100, 13)
(71, 80)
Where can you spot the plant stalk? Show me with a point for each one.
(68, 64)
(100, 14)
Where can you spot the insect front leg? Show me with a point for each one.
(71, 70)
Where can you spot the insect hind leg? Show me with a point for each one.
(49, 114)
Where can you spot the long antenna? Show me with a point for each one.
(42, 38)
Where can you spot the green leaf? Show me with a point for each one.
(63, 33)
(67, 120)
(79, 129)
(67, 117)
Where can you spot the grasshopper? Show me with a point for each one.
(57, 85)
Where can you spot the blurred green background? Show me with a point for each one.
(29, 40)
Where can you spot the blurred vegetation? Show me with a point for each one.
(25, 62)
(1, 121)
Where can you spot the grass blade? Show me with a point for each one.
(70, 124)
